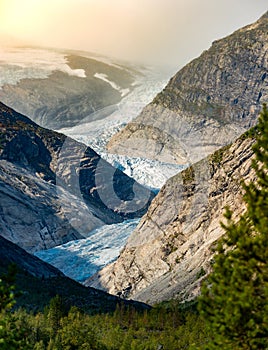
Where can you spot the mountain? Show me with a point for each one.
(171, 250)
(61, 88)
(10, 253)
(54, 189)
(206, 105)
(37, 282)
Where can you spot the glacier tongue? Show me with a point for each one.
(96, 130)
(148, 172)
(81, 258)
(110, 120)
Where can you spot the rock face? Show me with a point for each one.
(207, 104)
(54, 189)
(171, 249)
(38, 282)
(10, 253)
(63, 99)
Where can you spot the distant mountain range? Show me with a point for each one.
(57, 88)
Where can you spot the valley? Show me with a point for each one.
(114, 183)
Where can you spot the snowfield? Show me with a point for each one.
(28, 63)
(104, 77)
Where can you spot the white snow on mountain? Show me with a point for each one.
(29, 63)
(82, 258)
(110, 120)
(105, 77)
(97, 129)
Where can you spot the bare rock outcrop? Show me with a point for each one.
(172, 248)
(54, 189)
(207, 104)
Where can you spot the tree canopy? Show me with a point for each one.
(234, 300)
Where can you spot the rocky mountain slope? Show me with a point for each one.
(207, 104)
(59, 89)
(54, 189)
(172, 247)
(10, 253)
(37, 282)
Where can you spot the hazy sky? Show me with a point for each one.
(169, 31)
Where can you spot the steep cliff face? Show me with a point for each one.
(172, 248)
(54, 189)
(207, 104)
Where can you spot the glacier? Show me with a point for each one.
(81, 258)
(150, 173)
(112, 119)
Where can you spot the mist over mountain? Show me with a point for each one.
(206, 105)
(57, 88)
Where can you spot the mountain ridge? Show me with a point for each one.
(56, 187)
(61, 90)
(207, 104)
(171, 250)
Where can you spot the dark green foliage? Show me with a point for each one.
(7, 288)
(217, 157)
(188, 175)
(234, 299)
(12, 334)
(168, 326)
(201, 273)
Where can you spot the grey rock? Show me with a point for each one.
(54, 189)
(171, 250)
(62, 100)
(206, 105)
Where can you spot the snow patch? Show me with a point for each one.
(104, 77)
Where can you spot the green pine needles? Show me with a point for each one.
(234, 300)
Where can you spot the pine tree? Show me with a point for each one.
(234, 299)
(12, 336)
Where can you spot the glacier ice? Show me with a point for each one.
(81, 258)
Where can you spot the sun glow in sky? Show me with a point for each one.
(153, 31)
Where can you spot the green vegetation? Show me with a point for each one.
(188, 175)
(217, 157)
(232, 312)
(201, 273)
(234, 299)
(168, 326)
